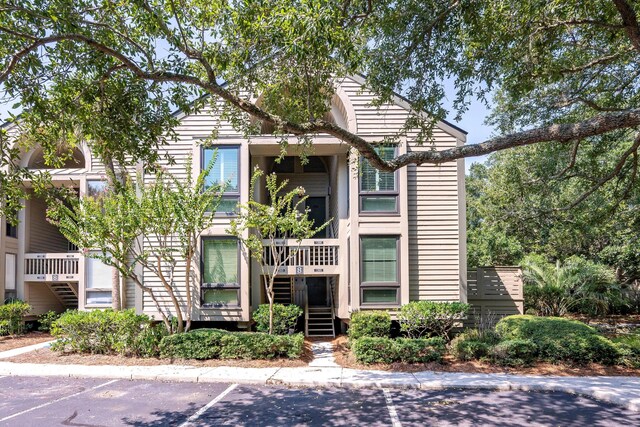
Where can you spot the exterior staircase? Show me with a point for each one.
(282, 290)
(66, 293)
(319, 322)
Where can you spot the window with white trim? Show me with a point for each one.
(10, 263)
(99, 283)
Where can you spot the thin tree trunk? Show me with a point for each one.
(172, 295)
(188, 291)
(270, 297)
(113, 185)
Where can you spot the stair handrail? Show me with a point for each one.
(333, 309)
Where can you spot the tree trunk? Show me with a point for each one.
(270, 297)
(113, 184)
(188, 291)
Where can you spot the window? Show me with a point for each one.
(379, 275)
(220, 284)
(99, 280)
(96, 188)
(378, 190)
(224, 171)
(11, 230)
(10, 277)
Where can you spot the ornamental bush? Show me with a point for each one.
(219, 344)
(386, 350)
(285, 318)
(629, 348)
(12, 317)
(514, 352)
(369, 324)
(473, 344)
(106, 332)
(430, 318)
(46, 320)
(559, 339)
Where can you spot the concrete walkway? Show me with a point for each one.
(323, 355)
(22, 350)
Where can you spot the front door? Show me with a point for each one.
(318, 213)
(317, 291)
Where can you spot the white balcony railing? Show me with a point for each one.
(311, 256)
(52, 267)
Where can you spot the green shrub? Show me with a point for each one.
(46, 320)
(560, 340)
(369, 324)
(473, 344)
(219, 344)
(430, 318)
(105, 332)
(386, 350)
(629, 348)
(12, 317)
(514, 352)
(196, 344)
(285, 318)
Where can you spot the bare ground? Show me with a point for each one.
(16, 341)
(48, 356)
(345, 358)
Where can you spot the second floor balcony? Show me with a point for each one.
(310, 257)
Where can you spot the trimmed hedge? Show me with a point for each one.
(560, 340)
(220, 344)
(386, 350)
(420, 319)
(473, 344)
(285, 317)
(629, 348)
(369, 324)
(515, 352)
(107, 332)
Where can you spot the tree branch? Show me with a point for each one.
(630, 22)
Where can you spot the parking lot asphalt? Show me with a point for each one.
(37, 401)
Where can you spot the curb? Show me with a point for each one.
(620, 391)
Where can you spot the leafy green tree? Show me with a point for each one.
(261, 226)
(155, 226)
(558, 71)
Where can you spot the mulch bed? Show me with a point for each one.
(48, 356)
(16, 341)
(345, 358)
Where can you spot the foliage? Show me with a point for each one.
(560, 340)
(386, 350)
(106, 332)
(514, 352)
(46, 320)
(430, 318)
(369, 324)
(119, 225)
(12, 317)
(629, 348)
(564, 69)
(280, 218)
(473, 344)
(218, 344)
(285, 318)
(576, 285)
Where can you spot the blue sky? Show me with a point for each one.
(472, 121)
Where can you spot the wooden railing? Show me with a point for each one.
(311, 256)
(52, 267)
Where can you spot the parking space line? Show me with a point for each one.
(395, 421)
(204, 409)
(57, 400)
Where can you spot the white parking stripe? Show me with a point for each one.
(395, 421)
(57, 400)
(202, 410)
